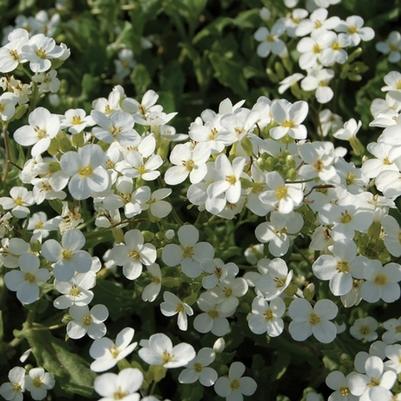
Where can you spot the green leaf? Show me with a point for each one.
(140, 78)
(229, 73)
(70, 370)
(117, 299)
(191, 392)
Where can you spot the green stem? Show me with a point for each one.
(7, 152)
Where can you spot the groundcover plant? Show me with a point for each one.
(200, 200)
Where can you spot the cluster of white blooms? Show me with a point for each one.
(106, 176)
(323, 42)
(36, 381)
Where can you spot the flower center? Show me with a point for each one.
(87, 320)
(167, 357)
(213, 134)
(180, 308)
(352, 29)
(30, 278)
(345, 218)
(281, 192)
(85, 171)
(280, 281)
(227, 292)
(75, 291)
(318, 165)
(381, 279)
(288, 124)
(115, 131)
(213, 313)
(76, 120)
(342, 266)
(114, 351)
(134, 254)
(344, 391)
(189, 165)
(37, 381)
(231, 179)
(235, 384)
(19, 201)
(316, 49)
(198, 367)
(268, 314)
(119, 394)
(40, 133)
(374, 381)
(188, 252)
(16, 387)
(41, 53)
(14, 54)
(336, 46)
(314, 319)
(67, 254)
(364, 330)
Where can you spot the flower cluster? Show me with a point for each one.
(322, 42)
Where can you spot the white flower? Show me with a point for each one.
(289, 81)
(270, 41)
(308, 320)
(387, 157)
(173, 305)
(228, 291)
(198, 369)
(318, 80)
(381, 282)
(317, 23)
(318, 160)
(340, 268)
(279, 230)
(151, 291)
(391, 46)
(217, 272)
(213, 318)
(85, 321)
(190, 254)
(281, 196)
(108, 353)
(189, 161)
(234, 386)
(11, 54)
(18, 202)
(76, 291)
(272, 278)
(8, 102)
(159, 350)
(376, 384)
(349, 131)
(288, 118)
(266, 317)
(119, 387)
(365, 329)
(87, 172)
(76, 120)
(39, 51)
(38, 382)
(340, 383)
(68, 257)
(393, 353)
(392, 235)
(26, 280)
(12, 390)
(355, 31)
(134, 254)
(393, 331)
(226, 183)
(118, 127)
